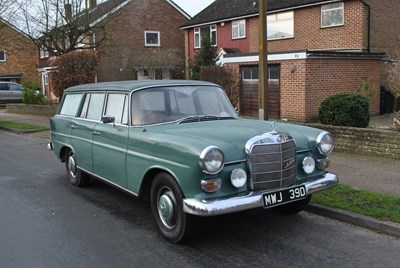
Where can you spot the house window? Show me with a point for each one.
(332, 15)
(44, 53)
(250, 73)
(238, 29)
(152, 39)
(280, 26)
(197, 39)
(3, 57)
(213, 35)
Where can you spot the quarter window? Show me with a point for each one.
(3, 57)
(332, 14)
(152, 39)
(71, 104)
(238, 29)
(280, 26)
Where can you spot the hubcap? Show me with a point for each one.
(166, 209)
(72, 166)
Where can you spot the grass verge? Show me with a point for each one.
(377, 205)
(22, 126)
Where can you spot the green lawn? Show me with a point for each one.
(376, 205)
(22, 126)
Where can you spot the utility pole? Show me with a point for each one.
(263, 63)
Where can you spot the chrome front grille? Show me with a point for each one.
(272, 161)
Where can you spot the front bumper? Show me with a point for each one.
(212, 207)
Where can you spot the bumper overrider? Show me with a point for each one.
(212, 207)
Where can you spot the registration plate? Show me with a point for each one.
(284, 196)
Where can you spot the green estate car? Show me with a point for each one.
(181, 146)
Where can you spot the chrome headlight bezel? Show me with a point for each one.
(211, 160)
(325, 143)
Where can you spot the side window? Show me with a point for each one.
(117, 106)
(71, 104)
(3, 86)
(95, 106)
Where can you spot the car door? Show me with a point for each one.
(82, 128)
(110, 141)
(15, 93)
(4, 92)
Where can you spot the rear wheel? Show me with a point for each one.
(75, 175)
(294, 207)
(166, 201)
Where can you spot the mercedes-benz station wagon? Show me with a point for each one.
(181, 146)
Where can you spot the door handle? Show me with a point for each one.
(73, 126)
(96, 133)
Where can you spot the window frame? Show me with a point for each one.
(277, 21)
(197, 33)
(331, 10)
(213, 29)
(158, 44)
(236, 28)
(4, 56)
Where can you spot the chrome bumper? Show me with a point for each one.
(212, 207)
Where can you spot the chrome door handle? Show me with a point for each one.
(73, 126)
(96, 133)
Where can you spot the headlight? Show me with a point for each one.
(308, 165)
(211, 160)
(238, 177)
(325, 143)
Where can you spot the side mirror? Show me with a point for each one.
(107, 119)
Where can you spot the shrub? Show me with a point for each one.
(224, 77)
(345, 109)
(31, 94)
(74, 68)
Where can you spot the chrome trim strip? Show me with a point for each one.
(109, 182)
(212, 207)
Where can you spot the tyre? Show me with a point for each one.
(166, 201)
(294, 207)
(75, 175)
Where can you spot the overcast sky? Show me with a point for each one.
(192, 7)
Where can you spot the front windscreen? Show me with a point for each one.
(174, 103)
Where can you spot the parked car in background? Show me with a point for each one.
(10, 92)
(181, 146)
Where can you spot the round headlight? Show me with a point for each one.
(238, 177)
(211, 160)
(325, 143)
(308, 165)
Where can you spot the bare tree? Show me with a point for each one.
(59, 26)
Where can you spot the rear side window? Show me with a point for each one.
(94, 103)
(117, 106)
(71, 104)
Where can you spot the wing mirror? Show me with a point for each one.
(108, 119)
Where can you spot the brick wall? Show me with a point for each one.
(385, 24)
(125, 36)
(365, 141)
(308, 33)
(22, 55)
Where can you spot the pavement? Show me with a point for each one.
(377, 174)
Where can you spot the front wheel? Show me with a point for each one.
(294, 207)
(166, 201)
(75, 175)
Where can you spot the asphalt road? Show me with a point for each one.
(46, 222)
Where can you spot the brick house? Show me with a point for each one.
(18, 55)
(315, 49)
(132, 34)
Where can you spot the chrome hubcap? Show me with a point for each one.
(72, 166)
(166, 208)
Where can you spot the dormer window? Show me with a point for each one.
(44, 53)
